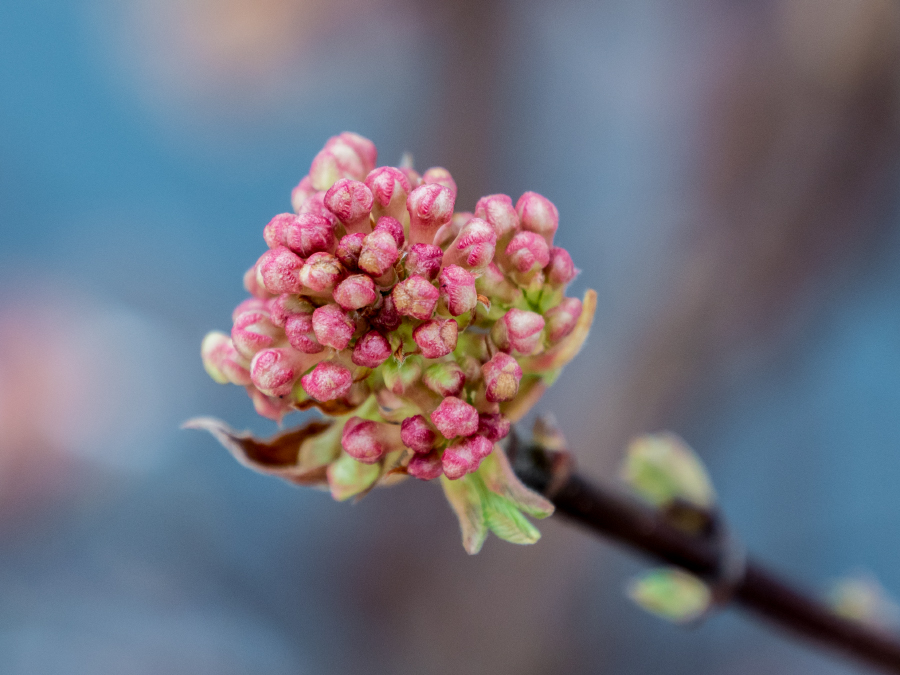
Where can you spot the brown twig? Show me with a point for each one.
(629, 522)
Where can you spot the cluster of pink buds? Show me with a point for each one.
(421, 330)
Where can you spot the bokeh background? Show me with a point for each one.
(728, 178)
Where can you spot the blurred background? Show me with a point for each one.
(728, 178)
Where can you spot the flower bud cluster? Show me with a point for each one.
(422, 330)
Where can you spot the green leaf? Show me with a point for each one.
(499, 478)
(671, 593)
(348, 477)
(465, 498)
(507, 522)
(662, 468)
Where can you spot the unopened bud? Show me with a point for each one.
(355, 292)
(424, 260)
(347, 155)
(538, 214)
(251, 305)
(493, 427)
(321, 273)
(300, 334)
(561, 269)
(429, 206)
(444, 379)
(518, 330)
(348, 250)
(274, 371)
(301, 193)
(287, 305)
(379, 253)
(332, 326)
(304, 234)
(425, 467)
(390, 188)
(222, 361)
(327, 381)
(499, 212)
(394, 227)
(436, 338)
(465, 456)
(440, 176)
(417, 434)
(279, 270)
(561, 320)
(363, 440)
(415, 297)
(502, 375)
(315, 206)
(527, 254)
(494, 285)
(457, 290)
(473, 247)
(388, 318)
(271, 407)
(253, 283)
(399, 377)
(351, 202)
(371, 350)
(252, 332)
(454, 417)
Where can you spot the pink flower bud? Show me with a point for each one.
(465, 456)
(493, 427)
(425, 467)
(388, 318)
(538, 214)
(457, 290)
(444, 379)
(300, 334)
(390, 188)
(473, 247)
(394, 227)
(301, 193)
(561, 320)
(454, 417)
(348, 250)
(417, 434)
(527, 254)
(272, 407)
(287, 305)
(561, 269)
(347, 155)
(379, 253)
(494, 284)
(518, 330)
(363, 440)
(304, 234)
(436, 338)
(424, 260)
(315, 206)
(274, 371)
(498, 210)
(253, 283)
(440, 176)
(415, 297)
(279, 270)
(332, 326)
(355, 292)
(502, 375)
(430, 207)
(327, 381)
(415, 180)
(371, 350)
(222, 361)
(252, 332)
(321, 273)
(351, 202)
(251, 305)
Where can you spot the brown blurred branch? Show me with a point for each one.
(647, 531)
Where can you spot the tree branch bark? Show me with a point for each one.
(640, 528)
